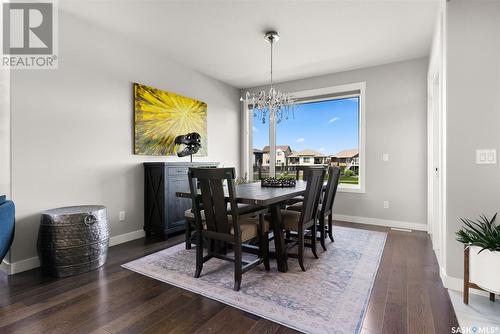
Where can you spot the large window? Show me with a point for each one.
(326, 128)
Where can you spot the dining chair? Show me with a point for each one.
(221, 226)
(190, 224)
(304, 222)
(305, 170)
(325, 209)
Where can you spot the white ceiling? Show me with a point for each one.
(224, 39)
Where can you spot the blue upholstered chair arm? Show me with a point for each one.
(7, 225)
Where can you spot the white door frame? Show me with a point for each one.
(436, 199)
(435, 164)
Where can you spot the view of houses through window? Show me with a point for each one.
(318, 133)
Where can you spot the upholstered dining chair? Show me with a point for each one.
(190, 225)
(221, 226)
(304, 222)
(325, 209)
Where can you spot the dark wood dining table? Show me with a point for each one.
(274, 198)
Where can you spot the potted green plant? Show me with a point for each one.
(483, 239)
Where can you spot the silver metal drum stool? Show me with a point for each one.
(73, 240)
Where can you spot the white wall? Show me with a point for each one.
(72, 128)
(5, 176)
(5, 132)
(436, 127)
(473, 116)
(396, 120)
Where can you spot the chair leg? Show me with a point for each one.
(301, 250)
(199, 256)
(188, 234)
(330, 225)
(322, 232)
(237, 266)
(313, 240)
(224, 248)
(266, 251)
(263, 243)
(211, 246)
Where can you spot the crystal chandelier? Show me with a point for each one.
(273, 104)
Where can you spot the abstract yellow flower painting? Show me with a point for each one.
(161, 116)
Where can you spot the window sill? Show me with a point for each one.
(344, 188)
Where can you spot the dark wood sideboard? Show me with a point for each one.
(163, 211)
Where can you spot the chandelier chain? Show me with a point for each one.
(272, 42)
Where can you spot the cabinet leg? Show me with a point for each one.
(492, 297)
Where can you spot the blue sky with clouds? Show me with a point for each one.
(327, 126)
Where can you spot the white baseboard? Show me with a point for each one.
(120, 239)
(34, 262)
(457, 284)
(5, 267)
(381, 222)
(20, 266)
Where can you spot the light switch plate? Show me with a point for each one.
(486, 156)
(385, 157)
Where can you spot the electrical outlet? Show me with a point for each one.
(486, 156)
(386, 204)
(121, 216)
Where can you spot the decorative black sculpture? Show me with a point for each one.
(191, 142)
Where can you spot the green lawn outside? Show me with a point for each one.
(349, 179)
(343, 179)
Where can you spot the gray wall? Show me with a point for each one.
(5, 132)
(396, 122)
(473, 115)
(5, 151)
(72, 127)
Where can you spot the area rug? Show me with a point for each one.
(330, 297)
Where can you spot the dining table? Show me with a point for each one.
(272, 197)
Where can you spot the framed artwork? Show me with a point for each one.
(160, 116)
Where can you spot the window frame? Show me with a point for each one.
(317, 95)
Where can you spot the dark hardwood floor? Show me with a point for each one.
(407, 297)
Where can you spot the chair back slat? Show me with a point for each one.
(315, 177)
(331, 190)
(305, 170)
(212, 199)
(208, 204)
(221, 223)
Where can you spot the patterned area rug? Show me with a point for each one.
(330, 297)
